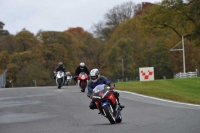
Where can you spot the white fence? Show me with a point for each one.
(186, 75)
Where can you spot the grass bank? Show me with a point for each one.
(183, 90)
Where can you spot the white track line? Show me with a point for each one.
(164, 100)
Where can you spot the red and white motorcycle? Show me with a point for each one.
(82, 81)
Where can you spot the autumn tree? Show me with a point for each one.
(3, 60)
(59, 46)
(7, 43)
(91, 47)
(159, 58)
(181, 18)
(112, 19)
(25, 40)
(194, 16)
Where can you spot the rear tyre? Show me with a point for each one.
(109, 114)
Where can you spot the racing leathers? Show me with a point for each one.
(59, 68)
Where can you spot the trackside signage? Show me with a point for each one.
(146, 73)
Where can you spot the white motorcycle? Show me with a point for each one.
(68, 80)
(60, 79)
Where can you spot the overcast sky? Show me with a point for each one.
(55, 15)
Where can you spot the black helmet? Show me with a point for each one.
(60, 64)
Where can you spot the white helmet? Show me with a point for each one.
(82, 65)
(94, 75)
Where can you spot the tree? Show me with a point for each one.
(160, 60)
(60, 46)
(194, 16)
(7, 43)
(91, 47)
(25, 40)
(3, 60)
(175, 15)
(123, 50)
(113, 18)
(119, 13)
(3, 32)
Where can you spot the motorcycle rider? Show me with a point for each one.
(96, 79)
(79, 69)
(60, 67)
(68, 74)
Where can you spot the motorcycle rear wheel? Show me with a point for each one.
(109, 114)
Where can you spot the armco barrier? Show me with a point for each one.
(3, 78)
(186, 75)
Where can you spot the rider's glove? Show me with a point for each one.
(111, 88)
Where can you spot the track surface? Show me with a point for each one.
(49, 110)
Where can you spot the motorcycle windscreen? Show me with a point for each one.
(82, 76)
(100, 92)
(60, 74)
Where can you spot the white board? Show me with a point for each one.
(146, 73)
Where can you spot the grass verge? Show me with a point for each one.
(183, 89)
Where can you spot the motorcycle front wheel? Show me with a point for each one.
(108, 113)
(59, 83)
(83, 85)
(67, 83)
(119, 119)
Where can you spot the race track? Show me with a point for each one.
(49, 110)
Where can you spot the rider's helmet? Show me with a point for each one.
(68, 73)
(94, 75)
(60, 64)
(82, 65)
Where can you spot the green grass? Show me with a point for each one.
(183, 89)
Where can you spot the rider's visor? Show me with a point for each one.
(93, 77)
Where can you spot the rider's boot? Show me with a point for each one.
(117, 97)
(121, 106)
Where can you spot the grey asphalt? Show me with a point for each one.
(49, 110)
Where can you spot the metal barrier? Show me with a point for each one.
(125, 79)
(186, 75)
(3, 79)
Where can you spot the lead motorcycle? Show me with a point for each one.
(60, 79)
(82, 81)
(106, 103)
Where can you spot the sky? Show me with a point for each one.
(55, 15)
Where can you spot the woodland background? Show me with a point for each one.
(139, 34)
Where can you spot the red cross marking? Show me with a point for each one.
(146, 76)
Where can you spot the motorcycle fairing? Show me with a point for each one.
(107, 102)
